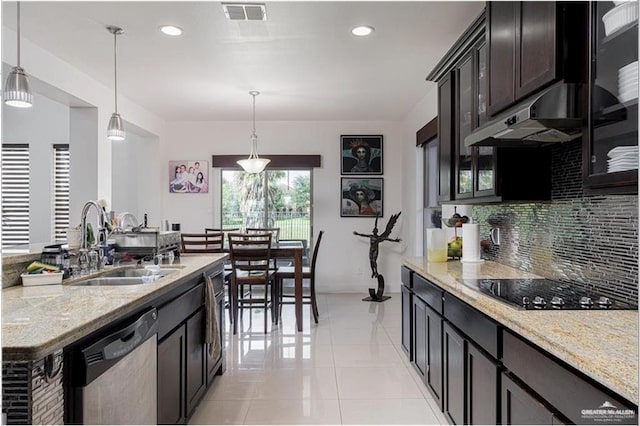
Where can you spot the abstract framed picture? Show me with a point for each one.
(189, 176)
(361, 154)
(361, 197)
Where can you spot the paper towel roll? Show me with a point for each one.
(470, 242)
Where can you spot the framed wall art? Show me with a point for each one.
(361, 154)
(361, 197)
(189, 176)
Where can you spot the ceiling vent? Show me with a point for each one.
(245, 11)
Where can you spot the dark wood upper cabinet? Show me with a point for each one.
(531, 45)
(536, 52)
(523, 50)
(445, 136)
(475, 174)
(501, 17)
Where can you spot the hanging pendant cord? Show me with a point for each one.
(254, 137)
(18, 27)
(115, 70)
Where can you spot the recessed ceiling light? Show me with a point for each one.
(171, 30)
(362, 30)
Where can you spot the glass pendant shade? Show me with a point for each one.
(115, 130)
(16, 89)
(254, 164)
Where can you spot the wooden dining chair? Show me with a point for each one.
(308, 273)
(250, 258)
(225, 231)
(275, 232)
(211, 242)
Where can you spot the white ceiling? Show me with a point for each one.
(303, 59)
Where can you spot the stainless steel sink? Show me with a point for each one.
(136, 272)
(115, 281)
(133, 276)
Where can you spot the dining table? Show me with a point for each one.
(293, 249)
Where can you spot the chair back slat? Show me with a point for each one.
(212, 242)
(275, 232)
(250, 253)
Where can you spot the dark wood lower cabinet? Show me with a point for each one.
(480, 372)
(420, 336)
(427, 347)
(433, 378)
(519, 407)
(406, 321)
(195, 358)
(185, 367)
(171, 372)
(483, 374)
(455, 371)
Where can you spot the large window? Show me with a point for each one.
(60, 192)
(273, 199)
(15, 194)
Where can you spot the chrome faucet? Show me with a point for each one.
(85, 258)
(102, 223)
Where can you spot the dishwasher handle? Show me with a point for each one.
(105, 352)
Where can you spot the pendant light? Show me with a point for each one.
(16, 87)
(254, 164)
(115, 130)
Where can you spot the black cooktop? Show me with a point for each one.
(541, 293)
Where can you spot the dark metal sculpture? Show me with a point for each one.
(375, 240)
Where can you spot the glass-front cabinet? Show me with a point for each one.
(475, 167)
(611, 134)
(464, 115)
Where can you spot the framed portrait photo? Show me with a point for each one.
(361, 197)
(361, 154)
(186, 176)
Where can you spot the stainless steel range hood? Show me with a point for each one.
(554, 115)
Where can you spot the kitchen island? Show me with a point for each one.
(39, 323)
(599, 344)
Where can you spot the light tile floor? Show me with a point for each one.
(348, 369)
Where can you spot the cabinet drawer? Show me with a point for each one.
(428, 292)
(557, 384)
(406, 276)
(482, 330)
(176, 311)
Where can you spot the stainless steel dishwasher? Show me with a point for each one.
(113, 377)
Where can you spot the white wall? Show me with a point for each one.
(136, 177)
(42, 126)
(344, 258)
(413, 169)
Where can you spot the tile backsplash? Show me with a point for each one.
(588, 241)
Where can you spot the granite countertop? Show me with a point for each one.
(602, 344)
(22, 253)
(37, 321)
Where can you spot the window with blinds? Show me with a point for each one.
(60, 195)
(15, 194)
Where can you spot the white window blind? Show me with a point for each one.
(15, 194)
(60, 195)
